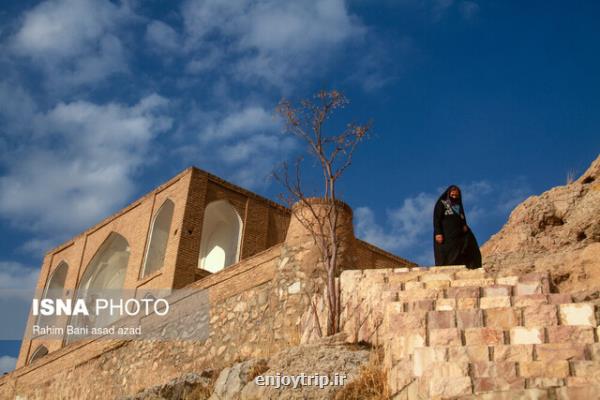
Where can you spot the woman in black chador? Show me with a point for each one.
(453, 243)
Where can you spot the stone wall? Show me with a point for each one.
(261, 305)
(240, 326)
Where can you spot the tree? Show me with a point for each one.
(333, 153)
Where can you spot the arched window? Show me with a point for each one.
(221, 236)
(53, 290)
(103, 278)
(40, 352)
(159, 236)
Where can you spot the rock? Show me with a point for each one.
(557, 231)
(326, 357)
(190, 386)
(231, 380)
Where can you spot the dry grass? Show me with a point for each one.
(371, 382)
(570, 176)
(257, 369)
(203, 392)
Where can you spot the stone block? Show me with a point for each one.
(463, 292)
(441, 320)
(399, 376)
(494, 302)
(469, 354)
(507, 280)
(503, 318)
(580, 381)
(446, 369)
(472, 318)
(420, 305)
(513, 353)
(395, 279)
(467, 303)
(544, 383)
(484, 336)
(424, 357)
(587, 368)
(540, 315)
(522, 335)
(544, 369)
(437, 285)
(437, 277)
(577, 393)
(472, 282)
(444, 337)
(560, 351)
(445, 304)
(569, 333)
(593, 350)
(497, 384)
(497, 290)
(470, 274)
(559, 298)
(529, 300)
(419, 294)
(577, 314)
(450, 387)
(524, 288)
(413, 285)
(406, 320)
(404, 344)
(492, 369)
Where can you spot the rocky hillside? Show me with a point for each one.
(327, 356)
(557, 231)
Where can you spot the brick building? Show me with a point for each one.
(156, 242)
(185, 230)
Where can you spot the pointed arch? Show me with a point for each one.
(159, 236)
(103, 278)
(107, 268)
(39, 352)
(54, 289)
(221, 236)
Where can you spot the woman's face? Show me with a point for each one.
(454, 193)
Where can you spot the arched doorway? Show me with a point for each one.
(221, 236)
(53, 290)
(103, 278)
(159, 236)
(40, 352)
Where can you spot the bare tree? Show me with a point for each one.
(333, 153)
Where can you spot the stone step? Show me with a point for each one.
(480, 314)
(436, 377)
(487, 287)
(515, 394)
(531, 302)
(575, 343)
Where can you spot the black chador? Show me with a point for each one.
(453, 241)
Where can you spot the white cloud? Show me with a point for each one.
(407, 224)
(7, 364)
(163, 36)
(14, 275)
(82, 164)
(73, 41)
(243, 145)
(270, 40)
(247, 121)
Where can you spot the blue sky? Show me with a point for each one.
(101, 101)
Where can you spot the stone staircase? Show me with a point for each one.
(450, 332)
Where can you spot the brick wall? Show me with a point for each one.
(264, 224)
